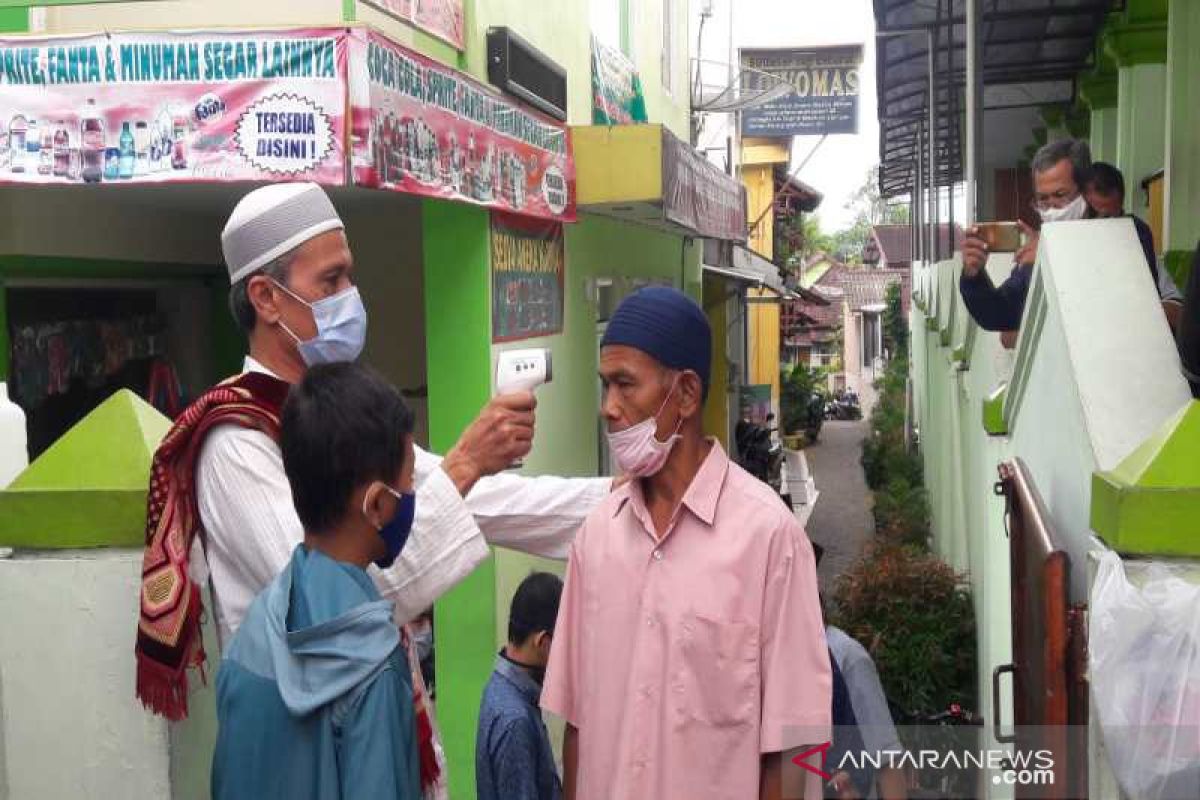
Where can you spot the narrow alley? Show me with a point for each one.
(841, 520)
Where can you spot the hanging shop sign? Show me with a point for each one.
(528, 276)
(170, 107)
(424, 129)
(440, 18)
(698, 195)
(617, 97)
(825, 90)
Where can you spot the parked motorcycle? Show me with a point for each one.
(758, 454)
(843, 406)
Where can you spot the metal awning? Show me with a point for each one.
(738, 263)
(1031, 52)
(644, 174)
(741, 276)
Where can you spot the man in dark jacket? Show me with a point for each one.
(1067, 186)
(1059, 172)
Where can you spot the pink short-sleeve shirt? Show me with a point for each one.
(682, 660)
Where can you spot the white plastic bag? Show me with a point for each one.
(1144, 666)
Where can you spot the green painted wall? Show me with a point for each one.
(1182, 199)
(14, 20)
(563, 32)
(568, 408)
(458, 332)
(1141, 129)
(560, 30)
(1060, 369)
(1103, 135)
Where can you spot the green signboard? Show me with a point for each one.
(617, 97)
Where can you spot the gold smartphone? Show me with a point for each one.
(1001, 237)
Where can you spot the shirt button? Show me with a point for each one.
(649, 622)
(658, 555)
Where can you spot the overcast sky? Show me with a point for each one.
(839, 167)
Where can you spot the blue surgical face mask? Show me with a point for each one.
(395, 532)
(341, 327)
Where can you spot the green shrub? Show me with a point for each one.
(902, 513)
(895, 326)
(914, 614)
(801, 401)
(884, 456)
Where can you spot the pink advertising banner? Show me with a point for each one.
(440, 18)
(422, 128)
(175, 107)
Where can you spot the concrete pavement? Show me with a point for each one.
(841, 520)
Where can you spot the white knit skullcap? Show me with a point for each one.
(272, 221)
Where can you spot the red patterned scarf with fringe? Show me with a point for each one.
(168, 636)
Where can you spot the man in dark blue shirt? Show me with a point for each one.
(1059, 172)
(513, 759)
(1067, 186)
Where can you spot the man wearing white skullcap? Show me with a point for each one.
(220, 469)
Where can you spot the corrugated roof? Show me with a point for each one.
(1038, 46)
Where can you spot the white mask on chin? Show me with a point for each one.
(637, 450)
(1076, 209)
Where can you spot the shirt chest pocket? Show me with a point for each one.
(717, 677)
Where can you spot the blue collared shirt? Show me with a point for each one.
(513, 759)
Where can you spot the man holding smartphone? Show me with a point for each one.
(1059, 172)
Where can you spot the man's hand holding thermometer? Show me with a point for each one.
(522, 371)
(503, 433)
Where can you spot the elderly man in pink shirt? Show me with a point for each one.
(689, 656)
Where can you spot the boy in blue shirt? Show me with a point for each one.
(314, 697)
(513, 759)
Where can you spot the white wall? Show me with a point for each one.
(1103, 371)
(71, 726)
(172, 224)
(1095, 374)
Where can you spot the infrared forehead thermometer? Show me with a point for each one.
(523, 370)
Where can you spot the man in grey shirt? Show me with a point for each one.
(870, 710)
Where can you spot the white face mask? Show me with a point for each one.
(1076, 209)
(341, 327)
(637, 450)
